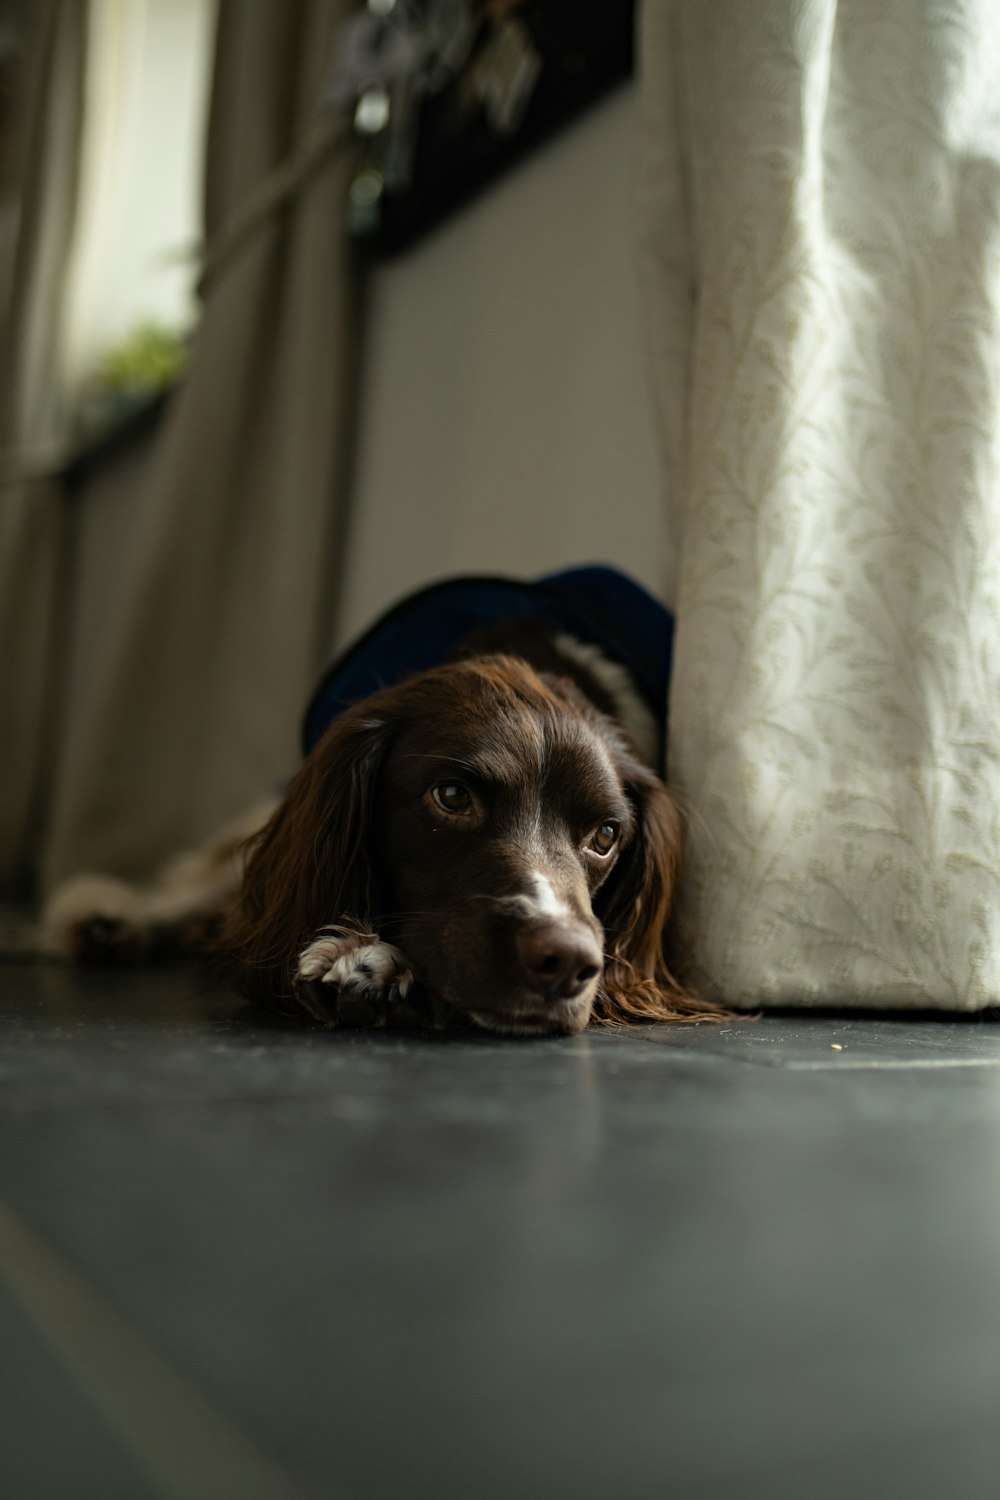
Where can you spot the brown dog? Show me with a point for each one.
(481, 833)
(484, 840)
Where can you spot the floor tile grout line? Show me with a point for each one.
(185, 1447)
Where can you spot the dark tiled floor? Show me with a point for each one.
(751, 1261)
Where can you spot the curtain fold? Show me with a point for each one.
(821, 255)
(39, 165)
(194, 711)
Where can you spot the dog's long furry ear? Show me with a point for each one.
(310, 865)
(638, 984)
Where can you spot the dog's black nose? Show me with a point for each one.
(558, 958)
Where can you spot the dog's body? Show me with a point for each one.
(483, 839)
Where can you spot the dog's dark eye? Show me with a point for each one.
(452, 797)
(605, 839)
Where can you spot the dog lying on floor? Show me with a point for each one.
(484, 838)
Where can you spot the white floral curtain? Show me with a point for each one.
(821, 247)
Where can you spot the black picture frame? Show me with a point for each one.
(531, 67)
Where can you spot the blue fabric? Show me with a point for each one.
(596, 604)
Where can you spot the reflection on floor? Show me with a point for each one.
(759, 1260)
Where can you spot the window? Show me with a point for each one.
(139, 219)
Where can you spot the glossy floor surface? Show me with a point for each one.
(757, 1260)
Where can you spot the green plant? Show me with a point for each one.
(147, 359)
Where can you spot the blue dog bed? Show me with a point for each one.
(598, 605)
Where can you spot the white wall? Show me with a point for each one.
(505, 421)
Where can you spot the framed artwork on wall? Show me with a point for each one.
(448, 94)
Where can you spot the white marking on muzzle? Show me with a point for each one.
(538, 901)
(544, 898)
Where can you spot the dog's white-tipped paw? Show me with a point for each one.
(361, 977)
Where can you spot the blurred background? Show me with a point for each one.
(304, 305)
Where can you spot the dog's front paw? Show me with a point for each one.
(353, 978)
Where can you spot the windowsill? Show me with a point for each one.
(136, 421)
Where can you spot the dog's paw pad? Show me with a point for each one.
(104, 939)
(352, 978)
(94, 919)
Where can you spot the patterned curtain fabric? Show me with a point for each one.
(821, 250)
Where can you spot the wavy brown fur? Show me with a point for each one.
(638, 984)
(309, 866)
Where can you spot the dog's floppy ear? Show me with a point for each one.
(310, 866)
(638, 984)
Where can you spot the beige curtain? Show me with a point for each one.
(194, 712)
(822, 261)
(39, 151)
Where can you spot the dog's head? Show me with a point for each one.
(498, 829)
